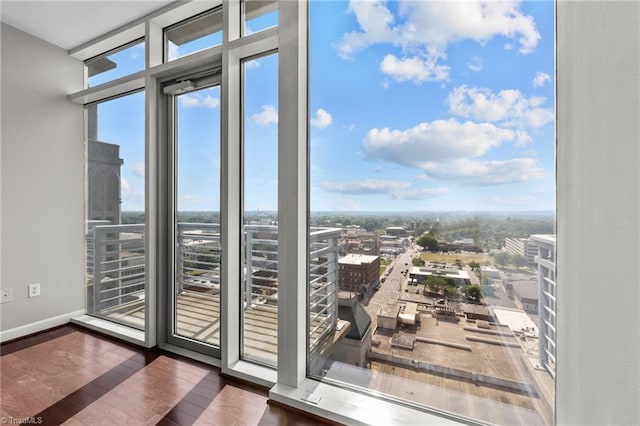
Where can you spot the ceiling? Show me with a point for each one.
(71, 23)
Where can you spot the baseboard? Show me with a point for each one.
(34, 327)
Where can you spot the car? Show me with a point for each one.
(441, 302)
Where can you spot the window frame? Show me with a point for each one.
(218, 9)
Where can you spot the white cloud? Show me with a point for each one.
(138, 169)
(446, 150)
(432, 25)
(370, 186)
(252, 64)
(124, 184)
(375, 20)
(475, 64)
(509, 107)
(268, 115)
(414, 69)
(470, 172)
(173, 51)
(323, 119)
(420, 194)
(199, 101)
(540, 79)
(435, 142)
(441, 23)
(398, 190)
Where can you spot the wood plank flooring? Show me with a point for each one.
(69, 375)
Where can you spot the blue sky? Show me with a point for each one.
(414, 106)
(433, 106)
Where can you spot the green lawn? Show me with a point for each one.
(451, 258)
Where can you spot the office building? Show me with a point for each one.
(547, 300)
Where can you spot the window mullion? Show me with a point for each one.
(292, 192)
(230, 209)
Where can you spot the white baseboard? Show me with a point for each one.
(37, 326)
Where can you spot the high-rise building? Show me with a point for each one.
(524, 246)
(546, 260)
(103, 173)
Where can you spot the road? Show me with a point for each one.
(393, 285)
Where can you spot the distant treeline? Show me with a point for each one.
(488, 229)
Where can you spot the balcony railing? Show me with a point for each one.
(115, 265)
(116, 270)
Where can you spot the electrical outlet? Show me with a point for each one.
(34, 290)
(6, 295)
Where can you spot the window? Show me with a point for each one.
(119, 62)
(260, 210)
(196, 150)
(258, 15)
(431, 146)
(115, 209)
(405, 224)
(194, 34)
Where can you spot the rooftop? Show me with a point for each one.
(516, 319)
(544, 238)
(357, 259)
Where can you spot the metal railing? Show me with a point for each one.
(198, 255)
(116, 268)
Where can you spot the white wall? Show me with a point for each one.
(598, 252)
(41, 179)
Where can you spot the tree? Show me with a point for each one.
(437, 284)
(458, 263)
(416, 261)
(371, 224)
(472, 292)
(519, 260)
(502, 258)
(427, 242)
(474, 264)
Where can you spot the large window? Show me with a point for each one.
(432, 163)
(379, 217)
(115, 209)
(196, 215)
(260, 210)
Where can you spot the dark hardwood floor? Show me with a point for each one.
(69, 375)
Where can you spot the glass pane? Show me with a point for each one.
(118, 63)
(198, 250)
(260, 204)
(258, 15)
(116, 210)
(196, 34)
(432, 200)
